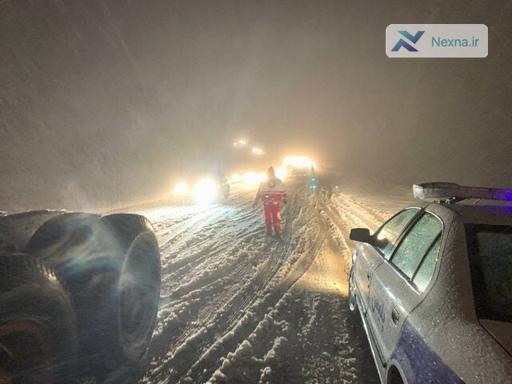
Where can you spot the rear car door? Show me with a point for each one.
(369, 257)
(397, 283)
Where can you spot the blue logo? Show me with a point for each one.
(412, 38)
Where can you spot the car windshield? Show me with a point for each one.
(490, 250)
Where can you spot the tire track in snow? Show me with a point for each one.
(192, 347)
(222, 257)
(307, 337)
(220, 315)
(243, 235)
(188, 227)
(270, 295)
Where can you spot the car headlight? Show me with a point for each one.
(282, 173)
(298, 162)
(206, 191)
(181, 189)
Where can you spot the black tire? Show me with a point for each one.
(135, 307)
(96, 257)
(81, 251)
(394, 376)
(37, 324)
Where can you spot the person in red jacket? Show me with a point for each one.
(271, 192)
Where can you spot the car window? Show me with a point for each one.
(490, 249)
(416, 244)
(427, 267)
(387, 236)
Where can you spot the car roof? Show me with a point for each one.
(493, 214)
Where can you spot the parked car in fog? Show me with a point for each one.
(433, 286)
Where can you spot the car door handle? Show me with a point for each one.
(395, 315)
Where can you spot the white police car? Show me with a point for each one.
(433, 287)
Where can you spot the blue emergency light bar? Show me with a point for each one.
(452, 192)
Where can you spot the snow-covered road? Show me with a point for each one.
(237, 306)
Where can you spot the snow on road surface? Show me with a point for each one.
(238, 306)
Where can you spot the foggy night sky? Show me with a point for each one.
(101, 102)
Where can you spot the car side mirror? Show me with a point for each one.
(361, 234)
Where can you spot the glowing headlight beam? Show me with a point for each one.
(257, 151)
(253, 178)
(206, 191)
(300, 162)
(235, 178)
(181, 189)
(282, 173)
(240, 143)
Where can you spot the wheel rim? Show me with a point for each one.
(25, 352)
(139, 293)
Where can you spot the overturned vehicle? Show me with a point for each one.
(79, 294)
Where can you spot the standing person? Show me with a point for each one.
(271, 192)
